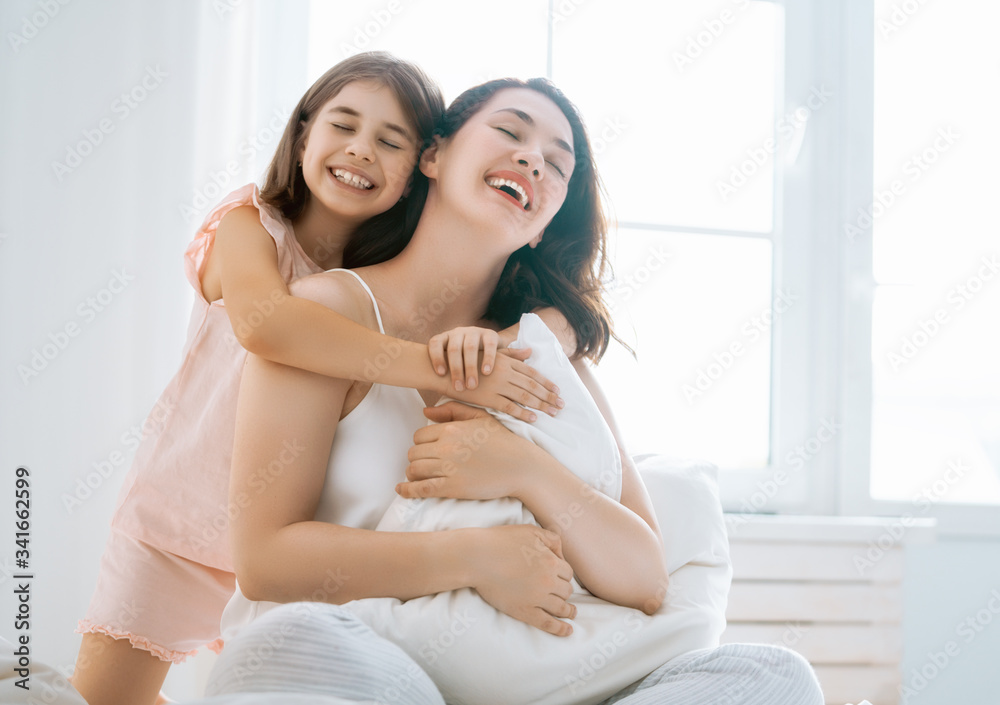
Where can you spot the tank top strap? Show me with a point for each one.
(378, 315)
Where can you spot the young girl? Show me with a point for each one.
(341, 189)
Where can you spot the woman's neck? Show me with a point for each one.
(443, 279)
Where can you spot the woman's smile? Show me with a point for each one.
(514, 186)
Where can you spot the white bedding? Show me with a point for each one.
(479, 656)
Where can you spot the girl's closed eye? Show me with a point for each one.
(339, 126)
(509, 133)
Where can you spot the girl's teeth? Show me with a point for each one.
(352, 179)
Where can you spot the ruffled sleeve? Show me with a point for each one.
(204, 239)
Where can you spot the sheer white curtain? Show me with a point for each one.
(123, 123)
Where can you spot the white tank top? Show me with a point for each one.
(367, 460)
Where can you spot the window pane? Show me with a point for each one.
(459, 44)
(696, 309)
(679, 100)
(936, 321)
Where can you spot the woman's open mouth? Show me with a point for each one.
(517, 191)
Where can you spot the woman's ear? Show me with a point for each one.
(537, 239)
(428, 160)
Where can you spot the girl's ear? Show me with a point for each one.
(428, 160)
(537, 239)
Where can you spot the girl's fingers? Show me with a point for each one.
(490, 344)
(455, 361)
(520, 354)
(435, 346)
(470, 351)
(537, 378)
(505, 405)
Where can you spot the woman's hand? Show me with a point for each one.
(508, 384)
(466, 454)
(520, 570)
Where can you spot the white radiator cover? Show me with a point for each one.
(829, 588)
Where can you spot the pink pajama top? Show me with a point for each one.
(175, 496)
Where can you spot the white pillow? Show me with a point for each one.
(478, 655)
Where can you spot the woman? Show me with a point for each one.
(512, 222)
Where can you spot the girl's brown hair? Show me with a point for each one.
(385, 235)
(567, 268)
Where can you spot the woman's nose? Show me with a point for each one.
(533, 162)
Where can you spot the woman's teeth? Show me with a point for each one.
(352, 179)
(510, 187)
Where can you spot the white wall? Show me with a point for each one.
(948, 583)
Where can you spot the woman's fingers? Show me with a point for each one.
(559, 607)
(453, 411)
(551, 541)
(421, 489)
(547, 623)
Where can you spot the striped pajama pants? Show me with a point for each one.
(322, 654)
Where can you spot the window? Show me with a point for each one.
(933, 279)
(765, 267)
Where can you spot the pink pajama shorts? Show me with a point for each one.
(159, 601)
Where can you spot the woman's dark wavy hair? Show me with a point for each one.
(385, 235)
(568, 266)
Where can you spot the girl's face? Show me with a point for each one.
(359, 152)
(509, 165)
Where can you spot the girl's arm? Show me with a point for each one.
(281, 554)
(243, 268)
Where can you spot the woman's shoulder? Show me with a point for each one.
(340, 290)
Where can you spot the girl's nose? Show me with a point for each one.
(361, 148)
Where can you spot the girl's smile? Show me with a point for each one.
(359, 153)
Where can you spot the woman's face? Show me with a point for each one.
(508, 166)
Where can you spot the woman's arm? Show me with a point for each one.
(286, 421)
(468, 454)
(243, 268)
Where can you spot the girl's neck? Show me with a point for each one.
(322, 235)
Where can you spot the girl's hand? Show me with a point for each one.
(521, 571)
(459, 350)
(466, 454)
(508, 384)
